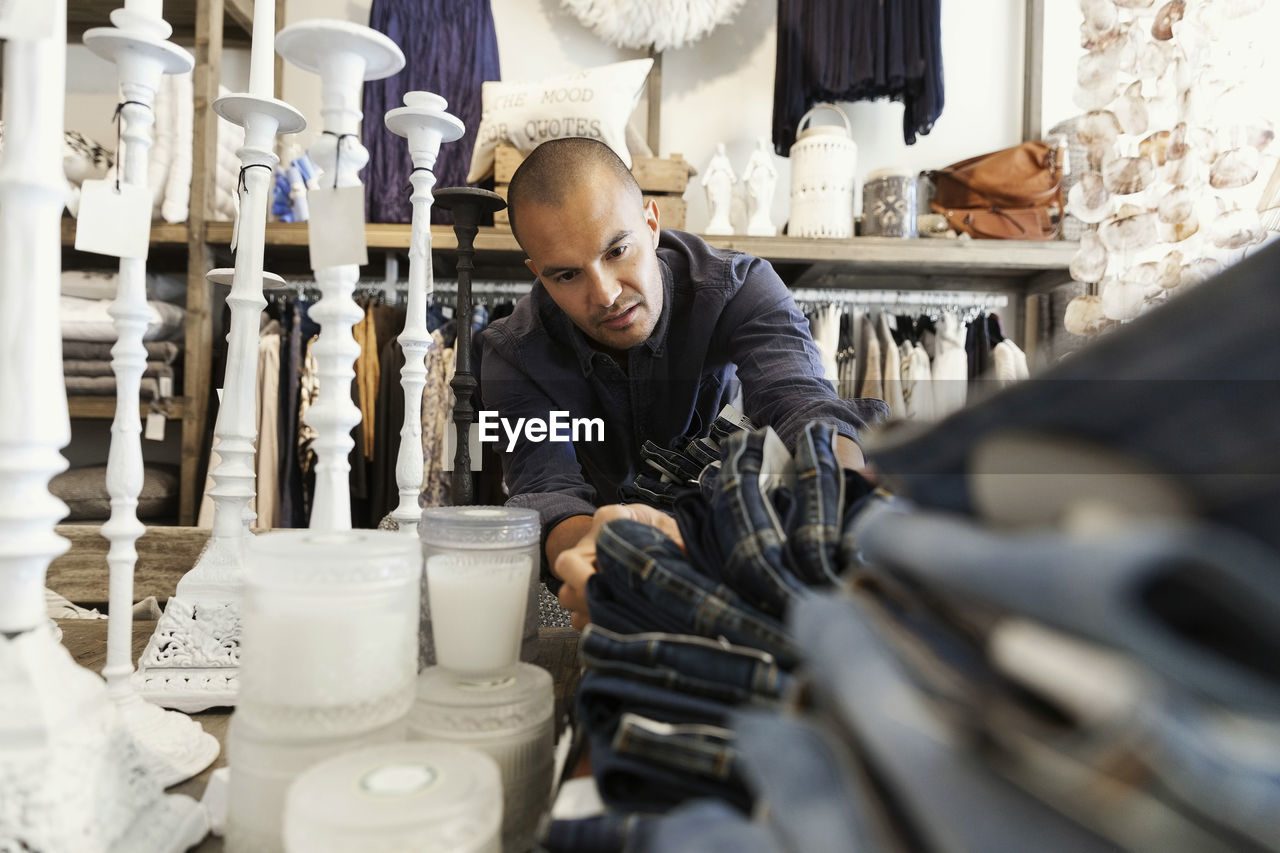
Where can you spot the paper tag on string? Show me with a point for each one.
(115, 222)
(335, 229)
(155, 426)
(26, 20)
(166, 387)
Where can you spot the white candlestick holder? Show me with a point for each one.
(71, 776)
(192, 660)
(424, 122)
(177, 746)
(344, 55)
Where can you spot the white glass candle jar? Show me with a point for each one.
(330, 631)
(480, 588)
(429, 797)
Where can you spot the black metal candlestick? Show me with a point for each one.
(468, 205)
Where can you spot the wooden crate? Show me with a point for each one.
(661, 179)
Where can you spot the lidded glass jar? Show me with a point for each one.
(328, 632)
(480, 588)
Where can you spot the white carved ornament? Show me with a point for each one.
(660, 24)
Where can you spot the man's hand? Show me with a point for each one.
(576, 564)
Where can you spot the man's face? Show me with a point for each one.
(595, 254)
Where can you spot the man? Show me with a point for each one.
(642, 329)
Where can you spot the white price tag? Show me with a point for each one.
(114, 222)
(733, 416)
(166, 387)
(335, 229)
(155, 427)
(26, 20)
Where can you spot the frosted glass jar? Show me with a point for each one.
(330, 631)
(481, 576)
(512, 721)
(424, 797)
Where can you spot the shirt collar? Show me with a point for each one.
(561, 327)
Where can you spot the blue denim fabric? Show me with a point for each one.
(1223, 766)
(803, 772)
(693, 665)
(951, 800)
(645, 583)
(1191, 388)
(606, 833)
(694, 749)
(633, 776)
(708, 827)
(1200, 605)
(749, 528)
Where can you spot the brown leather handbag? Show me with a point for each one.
(1012, 194)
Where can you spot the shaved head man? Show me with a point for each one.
(648, 331)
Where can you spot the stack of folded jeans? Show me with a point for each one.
(689, 463)
(958, 672)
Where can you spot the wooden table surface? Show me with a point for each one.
(86, 639)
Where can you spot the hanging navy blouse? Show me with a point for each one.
(450, 48)
(857, 50)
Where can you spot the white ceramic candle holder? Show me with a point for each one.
(71, 775)
(344, 55)
(177, 746)
(192, 661)
(424, 122)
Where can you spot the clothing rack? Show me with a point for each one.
(912, 298)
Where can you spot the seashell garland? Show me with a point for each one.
(1177, 150)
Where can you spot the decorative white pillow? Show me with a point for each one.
(593, 102)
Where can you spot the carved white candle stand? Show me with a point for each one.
(424, 122)
(177, 746)
(71, 775)
(192, 660)
(344, 55)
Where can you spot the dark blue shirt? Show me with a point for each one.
(720, 309)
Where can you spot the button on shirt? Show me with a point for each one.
(721, 309)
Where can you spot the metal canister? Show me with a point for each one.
(889, 204)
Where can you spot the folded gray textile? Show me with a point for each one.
(165, 351)
(105, 386)
(85, 367)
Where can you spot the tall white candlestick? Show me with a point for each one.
(262, 54)
(344, 55)
(151, 8)
(424, 122)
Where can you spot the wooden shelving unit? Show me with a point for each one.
(1014, 260)
(105, 408)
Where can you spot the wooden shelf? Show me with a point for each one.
(181, 14)
(860, 255)
(99, 408)
(162, 233)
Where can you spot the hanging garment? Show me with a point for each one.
(907, 379)
(451, 47)
(267, 461)
(367, 372)
(978, 346)
(308, 394)
(436, 409)
(871, 382)
(824, 327)
(857, 50)
(1010, 363)
(922, 373)
(950, 366)
(892, 367)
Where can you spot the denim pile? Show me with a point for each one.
(691, 462)
(930, 665)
